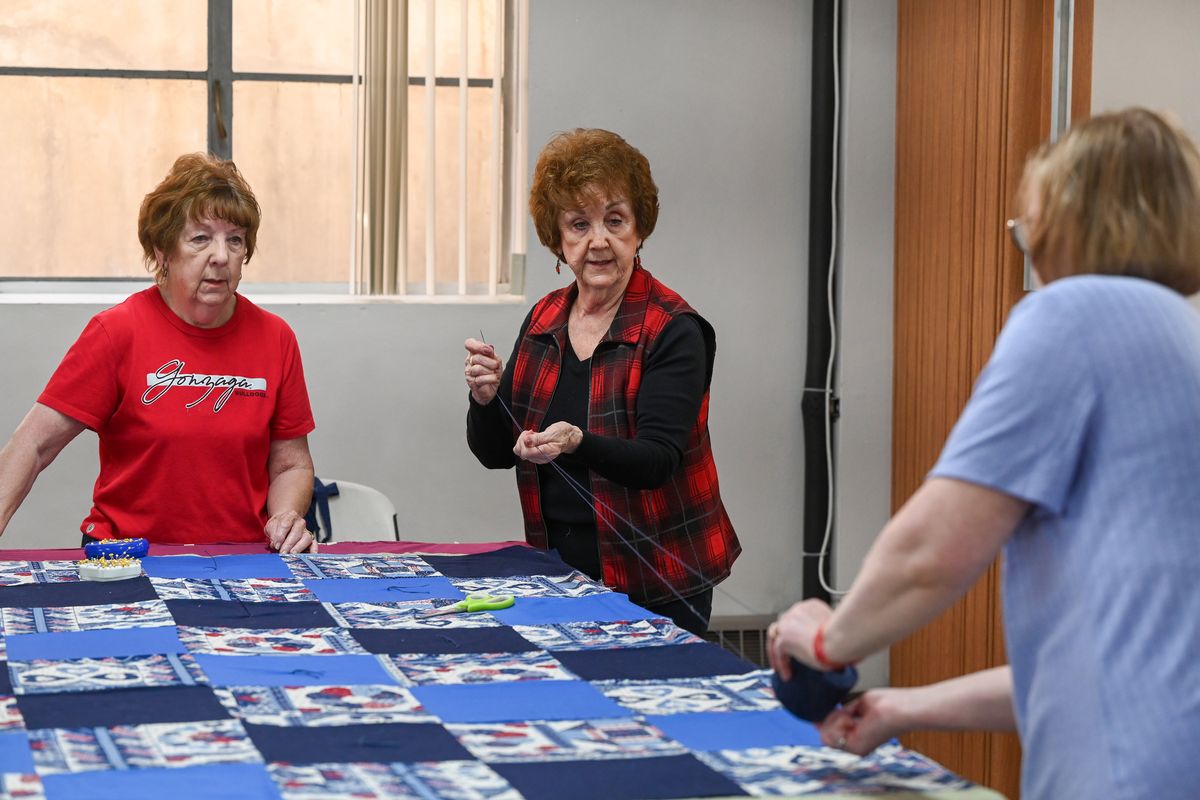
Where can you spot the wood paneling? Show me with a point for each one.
(973, 99)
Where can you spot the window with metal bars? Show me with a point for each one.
(373, 179)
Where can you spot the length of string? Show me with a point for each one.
(587, 496)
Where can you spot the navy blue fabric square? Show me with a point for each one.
(207, 782)
(236, 614)
(6, 687)
(506, 562)
(379, 744)
(647, 663)
(736, 730)
(516, 701)
(78, 593)
(619, 779)
(120, 707)
(443, 640)
(267, 565)
(94, 644)
(381, 590)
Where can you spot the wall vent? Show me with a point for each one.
(744, 636)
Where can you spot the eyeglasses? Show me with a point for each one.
(1017, 231)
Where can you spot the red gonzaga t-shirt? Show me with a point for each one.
(185, 417)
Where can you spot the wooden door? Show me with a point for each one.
(973, 99)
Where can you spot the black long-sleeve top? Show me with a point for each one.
(672, 389)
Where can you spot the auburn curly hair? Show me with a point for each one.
(199, 186)
(584, 162)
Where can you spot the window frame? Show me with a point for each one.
(508, 229)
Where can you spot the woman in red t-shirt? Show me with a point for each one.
(196, 394)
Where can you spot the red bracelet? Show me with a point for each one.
(818, 648)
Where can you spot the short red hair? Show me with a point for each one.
(584, 162)
(199, 186)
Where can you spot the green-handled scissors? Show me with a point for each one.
(474, 602)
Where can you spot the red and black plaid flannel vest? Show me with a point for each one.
(688, 543)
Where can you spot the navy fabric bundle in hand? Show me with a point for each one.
(812, 695)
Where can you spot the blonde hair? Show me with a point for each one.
(1119, 195)
(199, 186)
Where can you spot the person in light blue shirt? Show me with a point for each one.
(1078, 454)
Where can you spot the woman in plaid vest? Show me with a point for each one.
(603, 406)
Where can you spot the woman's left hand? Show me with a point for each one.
(544, 447)
(792, 635)
(287, 533)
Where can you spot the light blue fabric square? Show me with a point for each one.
(94, 644)
(736, 730)
(339, 670)
(267, 565)
(209, 782)
(381, 590)
(14, 752)
(517, 701)
(607, 607)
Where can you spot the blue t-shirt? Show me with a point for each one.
(1089, 409)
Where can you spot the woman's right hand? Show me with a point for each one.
(482, 370)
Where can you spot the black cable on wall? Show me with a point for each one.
(818, 472)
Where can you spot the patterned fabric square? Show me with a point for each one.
(269, 641)
(239, 614)
(206, 782)
(406, 615)
(121, 707)
(436, 780)
(565, 740)
(311, 567)
(606, 635)
(42, 676)
(250, 590)
(13, 573)
(172, 744)
(574, 585)
(451, 668)
(77, 593)
(10, 714)
(323, 705)
(618, 779)
(381, 590)
(749, 692)
(26, 786)
(141, 614)
(793, 770)
(376, 744)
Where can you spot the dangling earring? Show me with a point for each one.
(557, 265)
(637, 259)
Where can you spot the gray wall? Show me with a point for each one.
(716, 95)
(864, 438)
(1145, 53)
